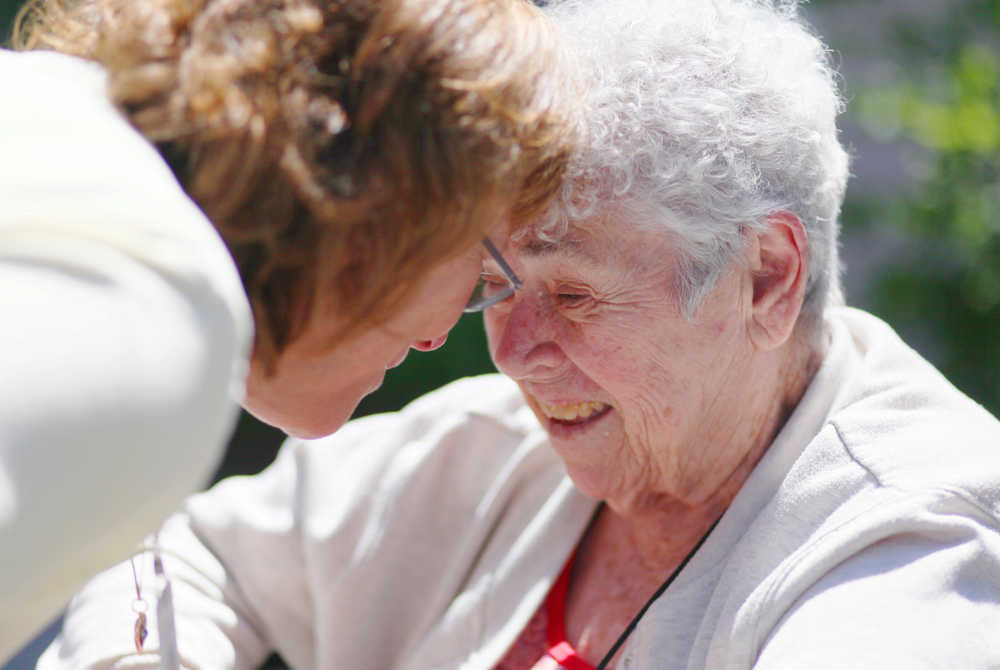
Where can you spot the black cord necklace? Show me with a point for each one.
(663, 587)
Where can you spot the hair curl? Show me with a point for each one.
(704, 117)
(342, 148)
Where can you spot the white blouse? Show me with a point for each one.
(124, 331)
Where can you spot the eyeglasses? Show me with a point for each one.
(491, 289)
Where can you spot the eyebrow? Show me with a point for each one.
(540, 248)
(567, 246)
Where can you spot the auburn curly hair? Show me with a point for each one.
(342, 148)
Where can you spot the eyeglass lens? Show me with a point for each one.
(490, 290)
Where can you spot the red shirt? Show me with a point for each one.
(545, 634)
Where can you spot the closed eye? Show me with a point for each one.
(571, 298)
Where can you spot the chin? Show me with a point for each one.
(321, 417)
(318, 429)
(592, 482)
(311, 433)
(318, 420)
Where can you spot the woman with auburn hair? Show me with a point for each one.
(207, 196)
(697, 457)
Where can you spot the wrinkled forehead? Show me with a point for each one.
(595, 241)
(545, 238)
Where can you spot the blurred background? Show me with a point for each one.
(921, 233)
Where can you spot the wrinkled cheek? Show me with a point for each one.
(644, 379)
(611, 350)
(648, 421)
(608, 347)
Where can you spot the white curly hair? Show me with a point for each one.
(705, 116)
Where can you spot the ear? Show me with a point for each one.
(778, 256)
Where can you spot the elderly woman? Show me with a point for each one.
(706, 462)
(182, 177)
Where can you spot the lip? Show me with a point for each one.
(573, 428)
(567, 430)
(571, 411)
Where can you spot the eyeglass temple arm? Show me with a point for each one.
(514, 279)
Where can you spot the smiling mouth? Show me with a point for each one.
(576, 413)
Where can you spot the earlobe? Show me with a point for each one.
(778, 258)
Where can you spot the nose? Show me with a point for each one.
(430, 345)
(523, 338)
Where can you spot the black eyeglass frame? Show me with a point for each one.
(478, 304)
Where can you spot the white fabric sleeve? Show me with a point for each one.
(255, 530)
(116, 404)
(927, 598)
(124, 338)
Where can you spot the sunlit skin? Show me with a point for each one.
(660, 416)
(316, 386)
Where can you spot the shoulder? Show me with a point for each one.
(898, 439)
(35, 71)
(899, 448)
(57, 105)
(908, 427)
(83, 191)
(893, 498)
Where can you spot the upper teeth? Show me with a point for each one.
(580, 410)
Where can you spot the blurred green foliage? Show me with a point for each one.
(8, 8)
(947, 105)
